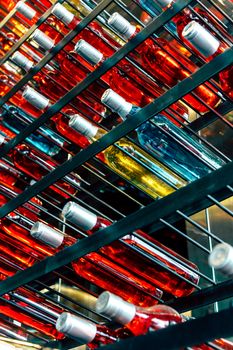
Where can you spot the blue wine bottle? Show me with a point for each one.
(179, 150)
(14, 119)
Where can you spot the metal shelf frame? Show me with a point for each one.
(198, 195)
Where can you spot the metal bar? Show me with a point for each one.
(181, 199)
(157, 23)
(121, 130)
(204, 297)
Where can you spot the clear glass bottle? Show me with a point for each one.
(175, 147)
(128, 168)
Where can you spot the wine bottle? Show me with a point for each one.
(25, 317)
(107, 47)
(137, 320)
(121, 83)
(221, 258)
(83, 331)
(51, 82)
(16, 120)
(100, 270)
(164, 63)
(175, 147)
(204, 43)
(139, 264)
(41, 4)
(136, 173)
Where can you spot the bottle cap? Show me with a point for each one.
(116, 103)
(164, 3)
(121, 25)
(76, 327)
(201, 38)
(46, 234)
(221, 258)
(42, 39)
(2, 139)
(35, 98)
(83, 126)
(22, 61)
(25, 10)
(116, 308)
(88, 52)
(79, 216)
(62, 14)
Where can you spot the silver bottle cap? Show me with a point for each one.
(2, 139)
(121, 25)
(116, 103)
(42, 39)
(25, 10)
(164, 3)
(88, 52)
(22, 61)
(201, 38)
(62, 14)
(46, 234)
(35, 98)
(79, 216)
(76, 327)
(116, 308)
(83, 126)
(221, 258)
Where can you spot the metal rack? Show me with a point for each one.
(147, 214)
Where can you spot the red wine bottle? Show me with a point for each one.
(123, 255)
(100, 270)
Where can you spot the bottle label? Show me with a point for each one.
(164, 3)
(35, 98)
(22, 61)
(88, 52)
(76, 327)
(42, 39)
(201, 38)
(79, 216)
(47, 234)
(62, 14)
(121, 25)
(25, 10)
(116, 103)
(83, 126)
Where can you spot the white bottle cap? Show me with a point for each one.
(76, 327)
(221, 258)
(116, 308)
(79, 216)
(42, 39)
(201, 38)
(164, 3)
(22, 61)
(116, 103)
(62, 14)
(121, 25)
(83, 126)
(47, 234)
(2, 139)
(88, 52)
(35, 98)
(25, 10)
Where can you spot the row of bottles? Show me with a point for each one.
(134, 320)
(137, 268)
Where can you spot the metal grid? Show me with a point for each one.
(151, 215)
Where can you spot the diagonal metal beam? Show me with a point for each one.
(181, 89)
(182, 199)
